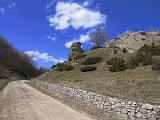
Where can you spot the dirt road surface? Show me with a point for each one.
(20, 101)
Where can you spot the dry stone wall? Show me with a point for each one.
(129, 110)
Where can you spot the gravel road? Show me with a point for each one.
(20, 101)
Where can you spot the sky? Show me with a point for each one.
(45, 29)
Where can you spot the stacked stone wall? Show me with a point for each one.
(129, 110)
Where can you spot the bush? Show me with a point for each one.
(143, 33)
(111, 61)
(88, 68)
(143, 39)
(95, 47)
(124, 50)
(133, 62)
(53, 66)
(117, 64)
(146, 53)
(91, 60)
(63, 67)
(156, 63)
(79, 56)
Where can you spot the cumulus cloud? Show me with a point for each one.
(82, 39)
(39, 56)
(78, 16)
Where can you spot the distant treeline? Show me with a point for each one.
(14, 60)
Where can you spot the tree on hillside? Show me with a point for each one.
(98, 37)
(14, 60)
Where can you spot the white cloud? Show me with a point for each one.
(12, 5)
(86, 3)
(2, 10)
(68, 44)
(38, 56)
(82, 39)
(50, 4)
(75, 15)
(7, 5)
(53, 38)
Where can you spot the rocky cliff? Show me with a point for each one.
(132, 41)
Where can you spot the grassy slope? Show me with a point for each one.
(141, 84)
(3, 83)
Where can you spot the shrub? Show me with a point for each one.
(53, 66)
(157, 50)
(124, 50)
(63, 67)
(146, 52)
(88, 68)
(133, 62)
(143, 39)
(117, 64)
(79, 56)
(111, 61)
(96, 47)
(91, 60)
(143, 33)
(156, 63)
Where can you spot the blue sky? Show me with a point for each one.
(45, 29)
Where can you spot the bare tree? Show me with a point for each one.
(98, 37)
(14, 60)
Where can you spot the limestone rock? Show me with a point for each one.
(75, 50)
(132, 41)
(138, 115)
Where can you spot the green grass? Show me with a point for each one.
(141, 84)
(3, 83)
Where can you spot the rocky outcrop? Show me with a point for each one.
(129, 110)
(132, 41)
(75, 50)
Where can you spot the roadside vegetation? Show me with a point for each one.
(3, 83)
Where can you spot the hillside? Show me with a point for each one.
(141, 84)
